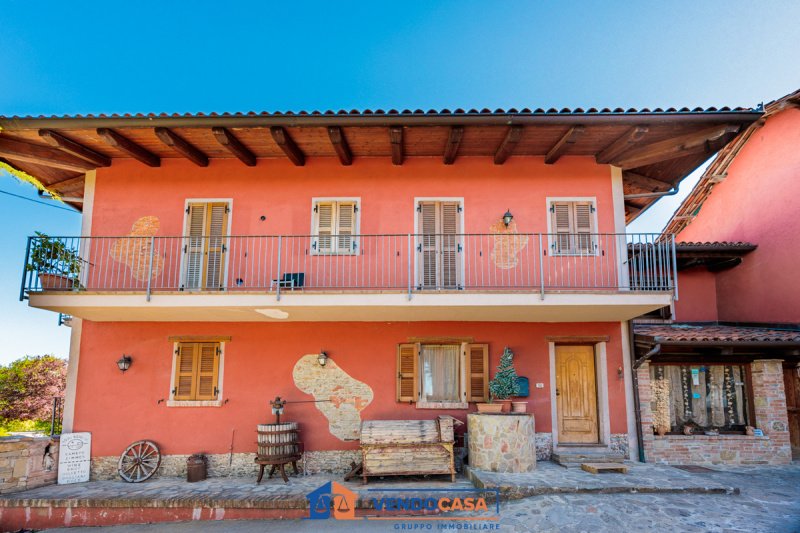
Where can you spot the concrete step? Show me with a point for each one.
(576, 457)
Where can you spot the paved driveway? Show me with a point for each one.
(769, 502)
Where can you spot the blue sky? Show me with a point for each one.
(61, 57)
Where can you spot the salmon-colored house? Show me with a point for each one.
(729, 348)
(366, 265)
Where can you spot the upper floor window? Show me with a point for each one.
(205, 244)
(335, 226)
(572, 227)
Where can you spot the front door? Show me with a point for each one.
(791, 383)
(576, 395)
(439, 245)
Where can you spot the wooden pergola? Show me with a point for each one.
(655, 149)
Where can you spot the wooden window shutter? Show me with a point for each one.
(185, 383)
(561, 226)
(345, 226)
(449, 245)
(207, 371)
(195, 245)
(583, 226)
(407, 379)
(216, 227)
(427, 251)
(325, 226)
(477, 372)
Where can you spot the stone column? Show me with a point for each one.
(769, 402)
(645, 408)
(502, 443)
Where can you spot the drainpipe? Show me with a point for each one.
(637, 413)
(673, 191)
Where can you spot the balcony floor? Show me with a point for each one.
(361, 306)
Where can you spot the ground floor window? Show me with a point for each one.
(706, 397)
(196, 371)
(445, 375)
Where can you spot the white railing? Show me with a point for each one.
(532, 262)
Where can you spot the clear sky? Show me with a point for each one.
(105, 57)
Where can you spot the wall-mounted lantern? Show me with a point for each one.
(508, 217)
(322, 358)
(124, 362)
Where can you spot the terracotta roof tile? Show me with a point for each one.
(712, 333)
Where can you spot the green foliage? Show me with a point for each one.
(28, 386)
(51, 256)
(504, 385)
(17, 426)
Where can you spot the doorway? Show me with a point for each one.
(439, 246)
(791, 384)
(576, 394)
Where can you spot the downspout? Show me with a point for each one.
(673, 191)
(636, 401)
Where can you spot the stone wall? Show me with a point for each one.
(502, 443)
(771, 417)
(27, 463)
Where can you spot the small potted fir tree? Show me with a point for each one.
(57, 266)
(505, 385)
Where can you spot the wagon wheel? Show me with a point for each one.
(139, 461)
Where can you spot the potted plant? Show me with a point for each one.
(56, 265)
(504, 386)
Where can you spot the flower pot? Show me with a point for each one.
(489, 407)
(661, 430)
(55, 282)
(519, 407)
(506, 405)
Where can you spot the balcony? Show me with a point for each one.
(499, 277)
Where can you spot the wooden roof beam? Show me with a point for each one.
(453, 142)
(622, 144)
(632, 208)
(71, 147)
(67, 184)
(396, 140)
(287, 144)
(180, 145)
(229, 141)
(513, 135)
(26, 152)
(644, 182)
(123, 144)
(563, 144)
(692, 143)
(339, 142)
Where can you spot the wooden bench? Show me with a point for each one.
(407, 447)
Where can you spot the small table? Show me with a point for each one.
(277, 463)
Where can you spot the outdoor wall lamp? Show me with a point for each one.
(508, 217)
(620, 373)
(322, 358)
(124, 362)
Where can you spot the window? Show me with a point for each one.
(706, 396)
(205, 245)
(335, 223)
(441, 375)
(196, 371)
(572, 226)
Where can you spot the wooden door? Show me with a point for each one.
(791, 383)
(205, 246)
(576, 395)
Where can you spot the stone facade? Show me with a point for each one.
(771, 417)
(27, 463)
(619, 444)
(502, 443)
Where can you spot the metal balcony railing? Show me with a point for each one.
(519, 262)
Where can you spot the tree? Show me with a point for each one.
(504, 385)
(28, 386)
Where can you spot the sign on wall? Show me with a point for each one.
(74, 458)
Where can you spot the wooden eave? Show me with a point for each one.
(500, 137)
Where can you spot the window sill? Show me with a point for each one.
(194, 403)
(442, 405)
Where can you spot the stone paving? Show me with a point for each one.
(769, 502)
(551, 478)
